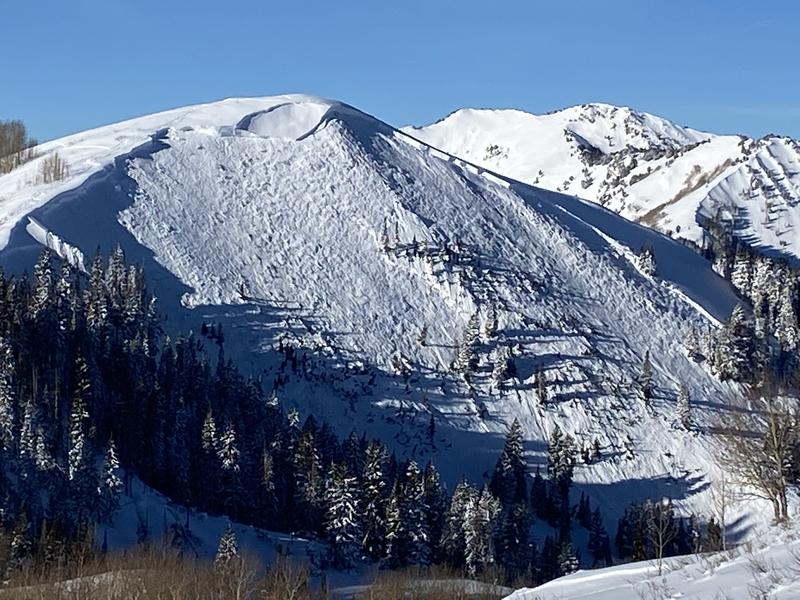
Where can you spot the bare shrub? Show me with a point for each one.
(53, 168)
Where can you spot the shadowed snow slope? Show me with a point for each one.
(643, 167)
(303, 221)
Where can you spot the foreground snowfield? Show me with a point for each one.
(270, 216)
(641, 166)
(767, 568)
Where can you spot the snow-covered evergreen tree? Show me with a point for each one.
(465, 359)
(209, 437)
(683, 409)
(742, 273)
(79, 450)
(227, 551)
(436, 502)
(647, 260)
(43, 296)
(7, 399)
(228, 453)
(786, 320)
(453, 544)
(110, 486)
(735, 356)
(567, 560)
(343, 527)
(374, 501)
(479, 531)
(560, 457)
(407, 541)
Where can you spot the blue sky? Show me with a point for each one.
(722, 66)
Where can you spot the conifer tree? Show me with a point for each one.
(342, 518)
(435, 507)
(567, 560)
(374, 494)
(453, 542)
(7, 399)
(110, 487)
(479, 529)
(742, 274)
(539, 495)
(227, 551)
(735, 353)
(598, 540)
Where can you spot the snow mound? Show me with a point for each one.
(765, 569)
(289, 121)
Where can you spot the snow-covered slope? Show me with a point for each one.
(643, 167)
(271, 216)
(767, 568)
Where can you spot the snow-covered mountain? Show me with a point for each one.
(302, 221)
(643, 167)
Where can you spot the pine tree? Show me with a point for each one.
(561, 459)
(342, 518)
(479, 529)
(502, 369)
(436, 502)
(43, 291)
(419, 552)
(209, 434)
(742, 274)
(683, 409)
(227, 452)
(7, 400)
(509, 486)
(227, 551)
(598, 540)
(374, 494)
(453, 542)
(509, 479)
(110, 487)
(540, 383)
(396, 531)
(567, 560)
(786, 321)
(539, 495)
(21, 546)
(308, 485)
(549, 563)
(647, 260)
(42, 456)
(115, 278)
(735, 353)
(465, 358)
(78, 444)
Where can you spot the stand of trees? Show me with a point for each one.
(89, 383)
(16, 148)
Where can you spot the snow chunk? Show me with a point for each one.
(289, 121)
